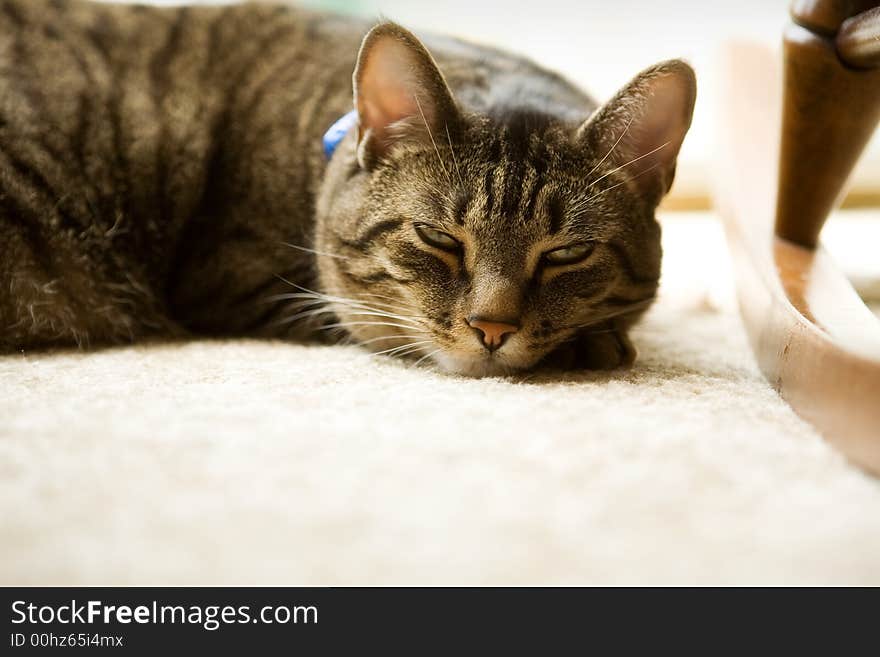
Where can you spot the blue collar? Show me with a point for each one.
(337, 131)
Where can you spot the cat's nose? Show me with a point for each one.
(493, 333)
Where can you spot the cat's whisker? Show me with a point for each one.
(432, 189)
(314, 251)
(401, 354)
(608, 189)
(413, 350)
(392, 337)
(454, 159)
(288, 296)
(611, 314)
(309, 310)
(306, 292)
(407, 307)
(328, 309)
(611, 150)
(356, 308)
(426, 356)
(402, 350)
(305, 314)
(632, 161)
(379, 296)
(350, 303)
(431, 135)
(591, 332)
(302, 311)
(356, 312)
(413, 324)
(304, 305)
(402, 309)
(348, 324)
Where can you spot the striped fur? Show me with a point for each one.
(152, 163)
(161, 175)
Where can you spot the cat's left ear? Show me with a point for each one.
(399, 93)
(642, 127)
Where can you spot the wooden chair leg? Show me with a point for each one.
(813, 338)
(830, 111)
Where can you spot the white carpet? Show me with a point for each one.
(263, 463)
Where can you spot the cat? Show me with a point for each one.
(163, 175)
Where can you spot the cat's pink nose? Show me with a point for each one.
(493, 333)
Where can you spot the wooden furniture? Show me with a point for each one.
(830, 111)
(813, 337)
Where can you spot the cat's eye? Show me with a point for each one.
(568, 255)
(437, 238)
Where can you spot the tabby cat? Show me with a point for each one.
(162, 174)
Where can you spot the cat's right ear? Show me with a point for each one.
(399, 93)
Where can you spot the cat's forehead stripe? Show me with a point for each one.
(461, 204)
(537, 187)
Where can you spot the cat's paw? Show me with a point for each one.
(595, 351)
(604, 351)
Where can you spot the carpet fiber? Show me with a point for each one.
(265, 463)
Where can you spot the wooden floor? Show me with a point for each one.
(813, 337)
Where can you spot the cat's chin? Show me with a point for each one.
(476, 366)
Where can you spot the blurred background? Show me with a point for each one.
(600, 45)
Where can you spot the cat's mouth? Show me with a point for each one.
(484, 363)
(473, 366)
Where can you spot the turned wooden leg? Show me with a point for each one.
(830, 111)
(813, 337)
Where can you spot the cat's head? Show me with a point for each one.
(483, 241)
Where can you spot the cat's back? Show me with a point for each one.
(118, 112)
(114, 119)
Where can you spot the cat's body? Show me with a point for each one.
(157, 164)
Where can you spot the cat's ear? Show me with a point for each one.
(643, 126)
(399, 93)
